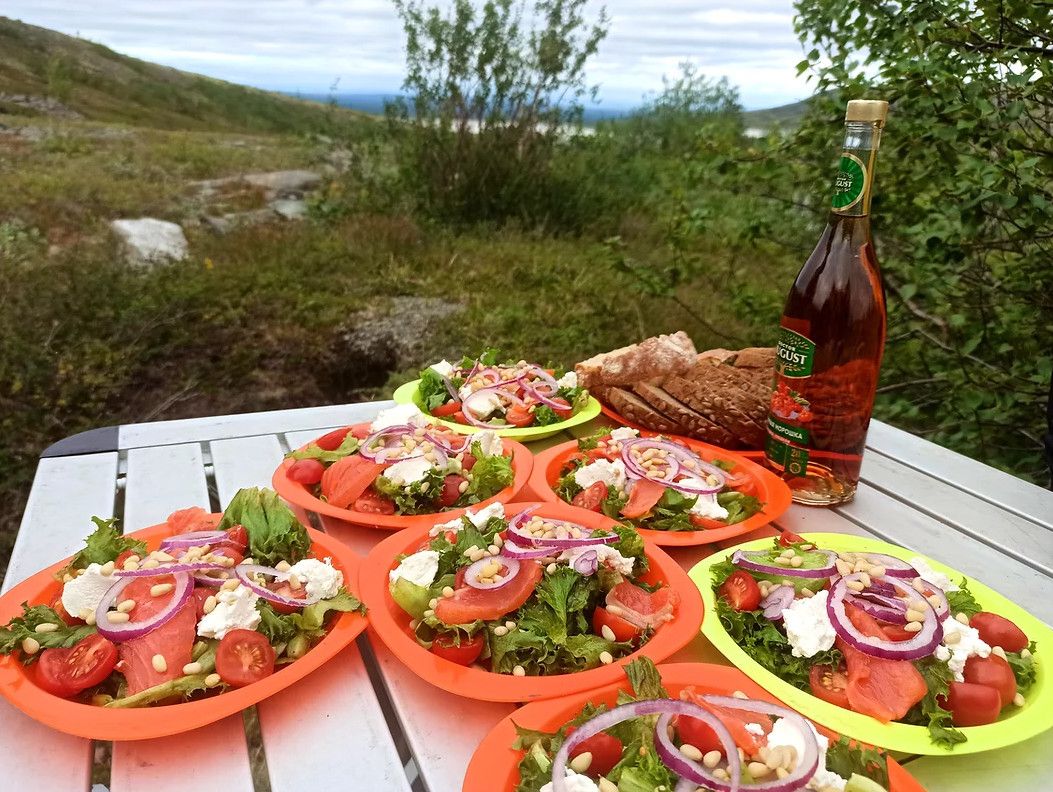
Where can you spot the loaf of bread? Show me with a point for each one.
(654, 357)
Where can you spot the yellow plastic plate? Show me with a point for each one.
(1015, 725)
(408, 394)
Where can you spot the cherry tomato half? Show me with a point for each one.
(591, 497)
(66, 672)
(622, 629)
(999, 631)
(519, 416)
(333, 440)
(606, 753)
(306, 471)
(465, 653)
(741, 591)
(971, 704)
(829, 684)
(451, 489)
(994, 672)
(244, 657)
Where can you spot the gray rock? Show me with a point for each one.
(41, 104)
(284, 183)
(149, 241)
(290, 208)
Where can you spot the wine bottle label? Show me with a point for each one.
(850, 183)
(795, 354)
(792, 459)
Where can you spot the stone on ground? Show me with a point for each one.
(147, 240)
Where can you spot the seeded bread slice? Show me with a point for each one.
(654, 357)
(639, 412)
(713, 394)
(696, 424)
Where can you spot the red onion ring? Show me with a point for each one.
(587, 563)
(542, 377)
(514, 550)
(540, 397)
(515, 528)
(921, 644)
(685, 459)
(893, 614)
(638, 709)
(745, 559)
(894, 567)
(194, 539)
(473, 573)
(125, 631)
(778, 600)
(244, 573)
(170, 569)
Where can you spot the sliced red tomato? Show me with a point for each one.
(372, 502)
(789, 539)
(468, 604)
(465, 653)
(445, 410)
(829, 684)
(707, 523)
(360, 431)
(997, 630)
(348, 478)
(244, 657)
(451, 489)
(564, 410)
(895, 632)
(994, 672)
(741, 591)
(173, 640)
(622, 629)
(606, 752)
(519, 416)
(333, 440)
(736, 721)
(739, 480)
(591, 497)
(643, 497)
(971, 704)
(459, 417)
(468, 461)
(66, 672)
(641, 607)
(306, 471)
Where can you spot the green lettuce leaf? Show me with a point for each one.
(282, 628)
(845, 757)
(645, 679)
(963, 601)
(490, 475)
(274, 532)
(104, 544)
(1023, 667)
(432, 390)
(348, 447)
(740, 506)
(928, 711)
(420, 497)
(21, 627)
(631, 545)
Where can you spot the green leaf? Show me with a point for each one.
(275, 534)
(1023, 667)
(963, 601)
(347, 447)
(490, 475)
(645, 679)
(21, 627)
(104, 544)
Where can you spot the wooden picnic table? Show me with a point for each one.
(364, 721)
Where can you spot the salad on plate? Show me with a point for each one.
(488, 394)
(221, 602)
(402, 464)
(657, 483)
(888, 638)
(530, 595)
(651, 740)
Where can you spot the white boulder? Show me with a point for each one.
(147, 240)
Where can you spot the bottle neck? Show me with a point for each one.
(854, 182)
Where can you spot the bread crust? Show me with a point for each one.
(696, 424)
(654, 357)
(641, 413)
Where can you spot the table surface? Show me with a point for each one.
(367, 720)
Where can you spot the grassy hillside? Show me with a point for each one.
(103, 85)
(788, 115)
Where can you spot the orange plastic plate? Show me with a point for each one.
(99, 723)
(768, 487)
(391, 624)
(300, 495)
(495, 764)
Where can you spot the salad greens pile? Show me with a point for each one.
(103, 544)
(274, 532)
(21, 627)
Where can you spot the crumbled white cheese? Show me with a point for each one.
(568, 380)
(85, 592)
(443, 367)
(785, 733)
(408, 471)
(624, 433)
(477, 518)
(610, 473)
(755, 728)
(574, 783)
(235, 610)
(827, 780)
(398, 415)
(420, 568)
(489, 443)
(482, 406)
(955, 654)
(808, 628)
(319, 578)
(707, 506)
(930, 575)
(606, 556)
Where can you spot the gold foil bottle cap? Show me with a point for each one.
(873, 110)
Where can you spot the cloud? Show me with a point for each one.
(306, 44)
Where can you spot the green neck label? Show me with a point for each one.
(794, 354)
(850, 183)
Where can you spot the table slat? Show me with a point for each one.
(1025, 766)
(244, 462)
(225, 426)
(161, 480)
(998, 487)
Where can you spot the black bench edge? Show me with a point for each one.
(93, 441)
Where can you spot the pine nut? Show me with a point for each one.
(46, 627)
(843, 568)
(721, 773)
(581, 762)
(116, 617)
(519, 671)
(934, 601)
(477, 555)
(90, 619)
(126, 606)
(776, 756)
(433, 602)
(691, 752)
(606, 786)
(796, 561)
(135, 557)
(131, 566)
(192, 668)
(915, 616)
(161, 589)
(470, 549)
(551, 568)
(511, 625)
(961, 618)
(429, 613)
(998, 650)
(107, 569)
(782, 561)
(232, 584)
(952, 638)
(210, 604)
(860, 565)
(151, 563)
(912, 627)
(212, 680)
(781, 772)
(1025, 653)
(607, 632)
(606, 658)
(877, 571)
(159, 663)
(758, 769)
(855, 585)
(161, 555)
(865, 579)
(918, 585)
(712, 759)
(447, 591)
(282, 566)
(493, 549)
(502, 630)
(739, 694)
(30, 645)
(1018, 699)
(462, 487)
(787, 553)
(807, 593)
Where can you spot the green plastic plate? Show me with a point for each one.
(408, 394)
(1015, 725)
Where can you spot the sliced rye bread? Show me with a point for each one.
(653, 357)
(639, 412)
(696, 424)
(755, 358)
(712, 394)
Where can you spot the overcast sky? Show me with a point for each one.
(307, 44)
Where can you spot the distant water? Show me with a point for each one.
(374, 103)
